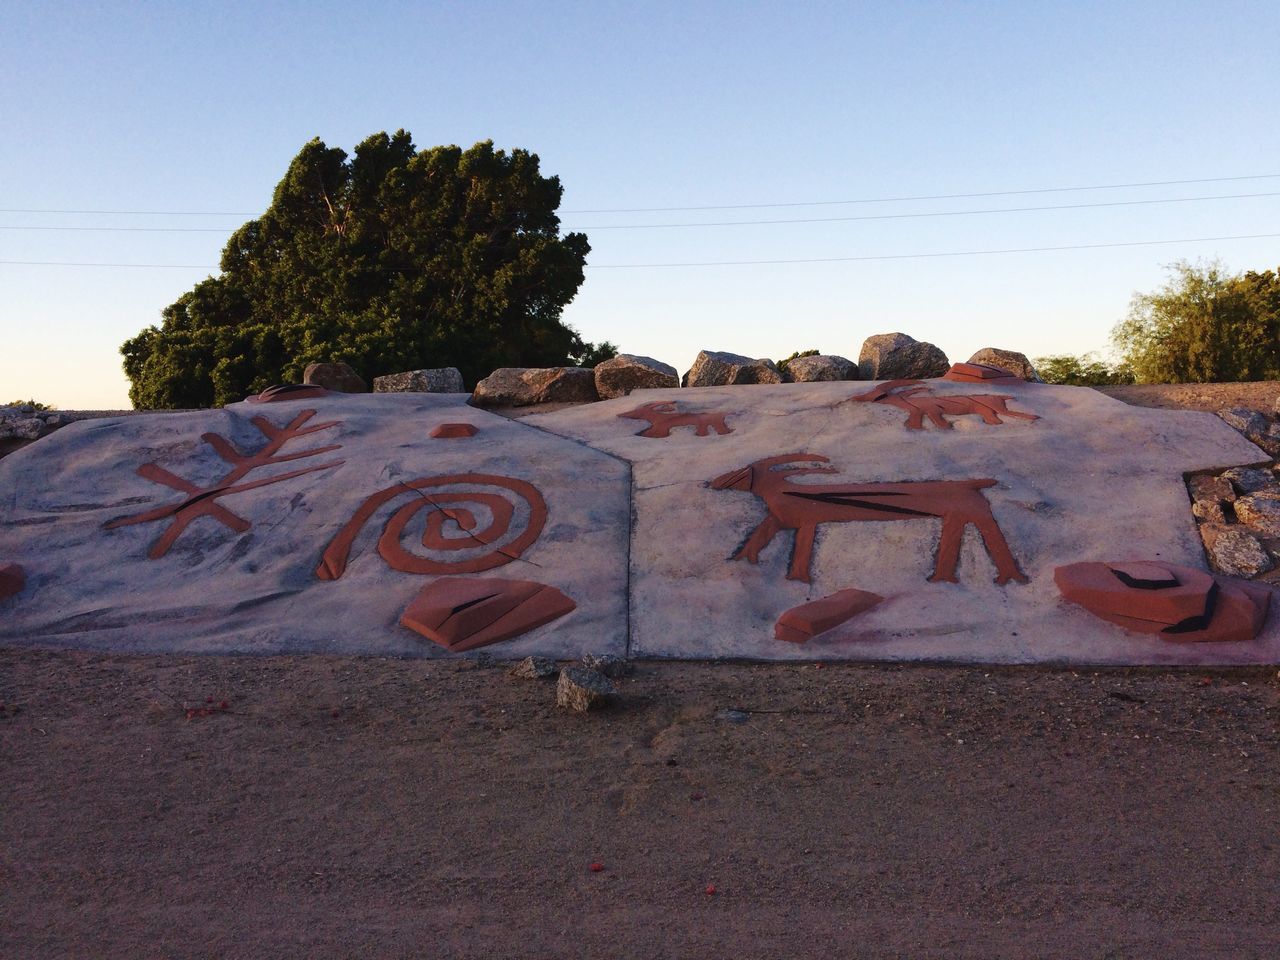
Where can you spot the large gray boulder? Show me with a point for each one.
(1016, 363)
(334, 376)
(718, 369)
(820, 367)
(896, 356)
(525, 386)
(620, 375)
(437, 380)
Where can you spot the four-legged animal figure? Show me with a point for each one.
(920, 403)
(663, 417)
(801, 507)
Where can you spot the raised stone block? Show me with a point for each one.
(437, 380)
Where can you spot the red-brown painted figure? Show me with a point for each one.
(203, 501)
(802, 507)
(664, 416)
(915, 398)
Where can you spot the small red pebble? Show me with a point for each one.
(336, 713)
(696, 796)
(1206, 681)
(190, 714)
(208, 699)
(224, 705)
(596, 867)
(817, 666)
(711, 889)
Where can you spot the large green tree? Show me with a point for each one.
(1204, 325)
(393, 259)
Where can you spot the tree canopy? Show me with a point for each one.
(1204, 325)
(395, 259)
(1086, 370)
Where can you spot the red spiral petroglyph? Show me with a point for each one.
(445, 505)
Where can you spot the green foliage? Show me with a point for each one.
(34, 404)
(594, 353)
(1087, 370)
(1204, 325)
(782, 364)
(396, 259)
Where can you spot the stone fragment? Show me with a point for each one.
(1179, 604)
(433, 380)
(462, 613)
(453, 431)
(525, 386)
(1008, 360)
(582, 689)
(978, 373)
(338, 377)
(13, 579)
(21, 428)
(718, 369)
(534, 668)
(804, 622)
(620, 375)
(1205, 487)
(896, 356)
(1260, 513)
(609, 664)
(288, 391)
(821, 367)
(1249, 422)
(1234, 551)
(1250, 479)
(1210, 511)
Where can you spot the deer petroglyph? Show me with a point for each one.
(802, 507)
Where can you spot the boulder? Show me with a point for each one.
(1260, 513)
(1016, 363)
(820, 367)
(334, 376)
(626, 372)
(438, 380)
(718, 369)
(896, 356)
(581, 689)
(1205, 487)
(1234, 551)
(525, 386)
(1250, 479)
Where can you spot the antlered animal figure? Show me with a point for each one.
(664, 416)
(920, 403)
(801, 507)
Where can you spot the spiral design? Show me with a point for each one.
(455, 507)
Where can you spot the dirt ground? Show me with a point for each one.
(342, 807)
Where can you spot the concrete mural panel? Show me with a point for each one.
(311, 525)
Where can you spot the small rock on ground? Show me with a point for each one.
(1016, 363)
(1250, 479)
(534, 668)
(609, 664)
(1234, 551)
(581, 689)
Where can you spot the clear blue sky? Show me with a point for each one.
(199, 107)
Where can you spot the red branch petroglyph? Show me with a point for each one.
(920, 403)
(445, 505)
(203, 501)
(801, 507)
(664, 416)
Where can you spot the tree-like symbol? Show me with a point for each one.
(203, 501)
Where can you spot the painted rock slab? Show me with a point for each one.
(307, 525)
(955, 508)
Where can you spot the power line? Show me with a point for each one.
(736, 263)
(742, 223)
(729, 206)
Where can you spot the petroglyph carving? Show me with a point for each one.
(453, 431)
(802, 507)
(13, 580)
(203, 501)
(486, 545)
(915, 398)
(462, 613)
(803, 623)
(290, 391)
(1179, 604)
(664, 416)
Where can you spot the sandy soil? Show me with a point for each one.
(387, 809)
(1199, 396)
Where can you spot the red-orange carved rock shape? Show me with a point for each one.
(453, 431)
(13, 580)
(1178, 604)
(664, 416)
(979, 373)
(914, 397)
(445, 506)
(803, 623)
(463, 613)
(290, 391)
(802, 507)
(203, 501)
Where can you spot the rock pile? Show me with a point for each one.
(1239, 516)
